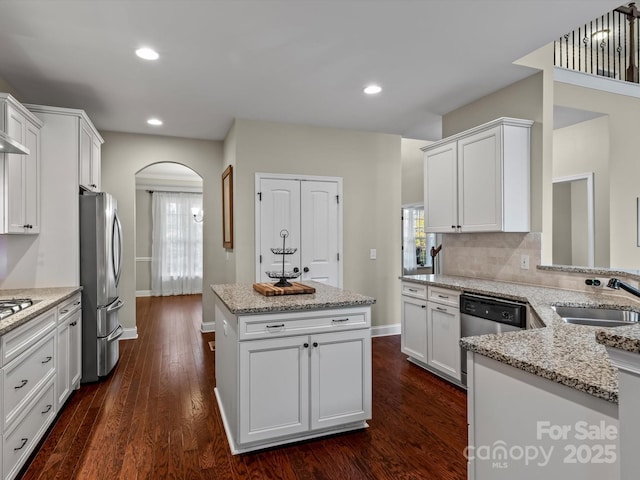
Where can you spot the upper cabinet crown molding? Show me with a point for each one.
(479, 180)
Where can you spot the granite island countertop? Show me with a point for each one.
(241, 298)
(564, 353)
(44, 299)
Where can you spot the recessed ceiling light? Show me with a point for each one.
(147, 53)
(156, 122)
(600, 35)
(372, 89)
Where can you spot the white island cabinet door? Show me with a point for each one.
(340, 378)
(274, 388)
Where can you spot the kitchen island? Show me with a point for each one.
(291, 367)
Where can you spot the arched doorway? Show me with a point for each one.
(169, 220)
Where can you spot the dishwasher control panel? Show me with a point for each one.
(494, 309)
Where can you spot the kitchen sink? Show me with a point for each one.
(597, 317)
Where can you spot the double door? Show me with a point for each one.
(299, 384)
(310, 210)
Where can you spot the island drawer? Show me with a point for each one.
(301, 323)
(416, 290)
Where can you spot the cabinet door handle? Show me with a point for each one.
(47, 409)
(305, 269)
(340, 320)
(73, 324)
(24, 442)
(280, 325)
(93, 185)
(315, 344)
(442, 309)
(423, 306)
(306, 345)
(46, 360)
(22, 384)
(77, 303)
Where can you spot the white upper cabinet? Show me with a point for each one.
(478, 180)
(20, 174)
(90, 145)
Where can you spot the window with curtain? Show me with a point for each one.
(176, 252)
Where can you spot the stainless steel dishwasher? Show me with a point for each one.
(480, 315)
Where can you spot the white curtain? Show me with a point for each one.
(409, 260)
(176, 253)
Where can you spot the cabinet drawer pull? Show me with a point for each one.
(77, 303)
(24, 442)
(64, 311)
(340, 320)
(46, 360)
(414, 290)
(443, 296)
(73, 324)
(423, 306)
(280, 325)
(442, 309)
(48, 409)
(22, 384)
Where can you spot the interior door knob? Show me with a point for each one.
(305, 269)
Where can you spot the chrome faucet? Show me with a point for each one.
(617, 284)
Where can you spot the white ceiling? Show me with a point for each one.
(295, 61)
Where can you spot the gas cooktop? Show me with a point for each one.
(13, 305)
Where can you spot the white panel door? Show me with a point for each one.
(319, 232)
(279, 209)
(32, 179)
(413, 340)
(274, 388)
(340, 378)
(441, 189)
(443, 334)
(480, 181)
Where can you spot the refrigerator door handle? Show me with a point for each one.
(117, 333)
(115, 306)
(116, 257)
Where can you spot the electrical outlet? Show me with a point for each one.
(524, 262)
(372, 254)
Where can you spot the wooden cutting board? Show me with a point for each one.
(269, 289)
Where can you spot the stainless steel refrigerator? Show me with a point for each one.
(100, 268)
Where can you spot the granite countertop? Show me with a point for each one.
(241, 298)
(44, 299)
(564, 353)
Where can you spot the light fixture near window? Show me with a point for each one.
(198, 214)
(600, 35)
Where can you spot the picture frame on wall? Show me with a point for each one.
(227, 207)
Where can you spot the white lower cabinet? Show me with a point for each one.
(40, 365)
(290, 386)
(431, 329)
(443, 333)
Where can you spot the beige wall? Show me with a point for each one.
(412, 170)
(624, 167)
(522, 99)
(584, 148)
(229, 158)
(562, 245)
(125, 154)
(369, 164)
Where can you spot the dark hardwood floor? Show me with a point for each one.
(155, 417)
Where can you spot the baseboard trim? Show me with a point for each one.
(130, 334)
(206, 327)
(143, 293)
(385, 330)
